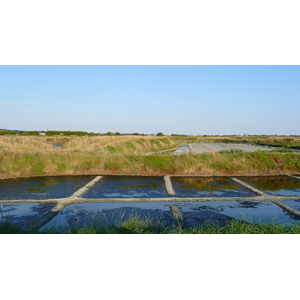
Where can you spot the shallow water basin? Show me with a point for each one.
(251, 211)
(208, 187)
(195, 213)
(275, 185)
(182, 149)
(293, 203)
(84, 214)
(23, 214)
(57, 146)
(41, 187)
(127, 187)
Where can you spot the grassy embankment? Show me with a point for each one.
(137, 226)
(35, 156)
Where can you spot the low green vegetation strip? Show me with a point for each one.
(72, 163)
(136, 226)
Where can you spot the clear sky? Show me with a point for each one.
(149, 99)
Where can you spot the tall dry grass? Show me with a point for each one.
(24, 144)
(36, 156)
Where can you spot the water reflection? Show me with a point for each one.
(195, 213)
(127, 187)
(205, 183)
(41, 187)
(57, 146)
(79, 215)
(293, 203)
(182, 149)
(275, 185)
(23, 214)
(208, 187)
(253, 211)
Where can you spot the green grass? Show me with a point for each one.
(113, 149)
(195, 164)
(137, 226)
(7, 228)
(157, 162)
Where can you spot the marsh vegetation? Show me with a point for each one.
(23, 156)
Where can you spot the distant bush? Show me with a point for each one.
(30, 133)
(78, 133)
(175, 134)
(4, 132)
(109, 133)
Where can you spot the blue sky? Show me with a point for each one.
(149, 99)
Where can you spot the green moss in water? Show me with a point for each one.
(275, 183)
(49, 182)
(205, 184)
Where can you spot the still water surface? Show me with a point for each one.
(41, 187)
(127, 187)
(145, 187)
(208, 187)
(275, 185)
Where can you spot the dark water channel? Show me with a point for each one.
(41, 187)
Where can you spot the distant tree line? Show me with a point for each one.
(5, 131)
(48, 133)
(175, 134)
(118, 133)
(67, 133)
(78, 133)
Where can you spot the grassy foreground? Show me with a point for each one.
(25, 156)
(136, 226)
